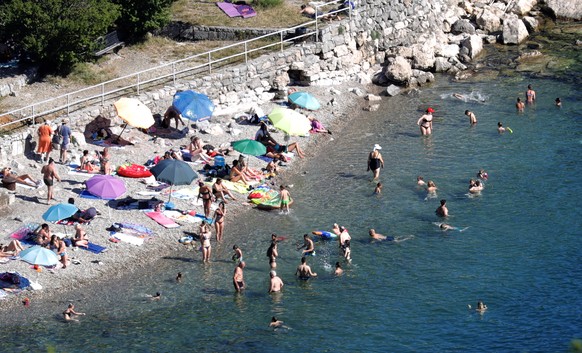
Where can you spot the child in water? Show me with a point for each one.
(378, 189)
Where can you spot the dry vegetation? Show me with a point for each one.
(206, 13)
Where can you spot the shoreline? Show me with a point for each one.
(72, 281)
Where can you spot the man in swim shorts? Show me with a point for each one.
(276, 283)
(308, 245)
(238, 277)
(304, 271)
(472, 117)
(49, 174)
(285, 199)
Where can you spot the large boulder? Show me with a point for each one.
(447, 50)
(514, 30)
(567, 9)
(473, 44)
(522, 7)
(463, 26)
(423, 57)
(489, 22)
(399, 70)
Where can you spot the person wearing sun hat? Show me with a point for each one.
(375, 161)
(425, 122)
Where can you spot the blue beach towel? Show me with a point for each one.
(87, 195)
(95, 249)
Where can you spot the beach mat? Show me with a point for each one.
(229, 9)
(162, 220)
(87, 195)
(126, 238)
(180, 217)
(246, 11)
(95, 249)
(74, 171)
(21, 233)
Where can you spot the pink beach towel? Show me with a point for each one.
(162, 220)
(229, 9)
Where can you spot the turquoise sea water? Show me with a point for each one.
(520, 253)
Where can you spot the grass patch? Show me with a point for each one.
(91, 74)
(208, 14)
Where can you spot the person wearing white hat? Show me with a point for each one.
(375, 161)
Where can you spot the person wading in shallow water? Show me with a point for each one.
(375, 161)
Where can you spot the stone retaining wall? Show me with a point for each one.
(385, 41)
(182, 31)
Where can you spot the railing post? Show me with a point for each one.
(246, 53)
(33, 113)
(209, 63)
(138, 82)
(102, 94)
(68, 104)
(174, 73)
(281, 33)
(316, 27)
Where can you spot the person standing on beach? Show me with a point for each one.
(65, 132)
(219, 214)
(205, 193)
(442, 210)
(425, 122)
(44, 140)
(285, 199)
(530, 94)
(238, 277)
(519, 105)
(276, 283)
(472, 117)
(375, 161)
(49, 174)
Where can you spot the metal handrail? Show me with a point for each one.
(172, 71)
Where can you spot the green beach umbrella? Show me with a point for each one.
(249, 147)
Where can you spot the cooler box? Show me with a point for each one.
(219, 161)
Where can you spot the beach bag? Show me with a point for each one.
(57, 139)
(10, 278)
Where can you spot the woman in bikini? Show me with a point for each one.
(86, 163)
(219, 190)
(236, 173)
(375, 161)
(205, 235)
(197, 150)
(425, 122)
(206, 194)
(219, 220)
(68, 314)
(81, 239)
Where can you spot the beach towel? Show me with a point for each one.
(131, 239)
(180, 217)
(239, 187)
(185, 194)
(21, 234)
(94, 248)
(246, 11)
(162, 220)
(229, 9)
(87, 195)
(74, 171)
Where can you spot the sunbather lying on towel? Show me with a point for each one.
(9, 177)
(12, 249)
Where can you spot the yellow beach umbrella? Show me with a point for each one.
(289, 121)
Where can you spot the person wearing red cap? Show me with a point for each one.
(425, 122)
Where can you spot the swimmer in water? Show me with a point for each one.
(338, 269)
(431, 187)
(445, 227)
(420, 181)
(476, 187)
(530, 94)
(442, 210)
(378, 189)
(520, 106)
(275, 323)
(481, 307)
(156, 296)
(500, 128)
(304, 271)
(558, 102)
(376, 236)
(472, 117)
(179, 277)
(482, 174)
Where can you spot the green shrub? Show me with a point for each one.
(267, 3)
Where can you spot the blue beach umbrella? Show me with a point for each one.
(59, 211)
(193, 105)
(37, 255)
(304, 100)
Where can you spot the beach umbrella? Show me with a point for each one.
(59, 212)
(290, 121)
(193, 105)
(37, 255)
(304, 100)
(134, 113)
(173, 172)
(249, 147)
(106, 187)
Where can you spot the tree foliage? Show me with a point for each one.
(138, 17)
(55, 34)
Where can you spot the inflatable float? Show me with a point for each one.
(325, 235)
(270, 204)
(133, 171)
